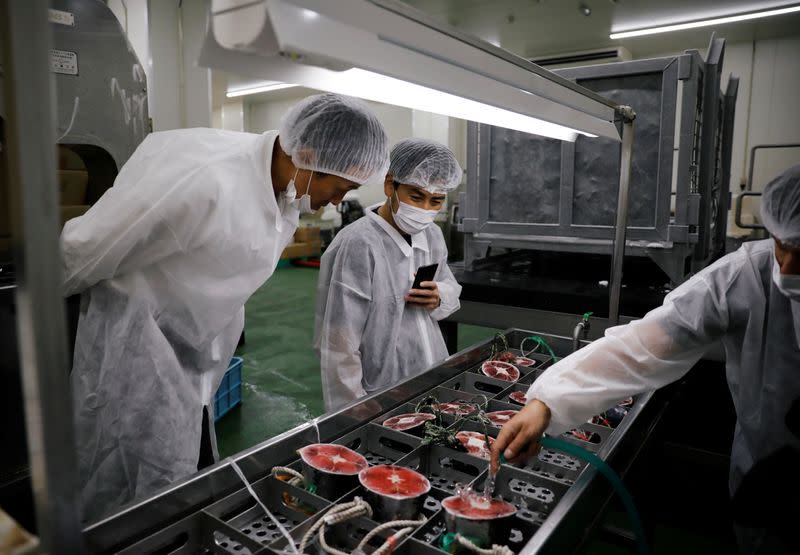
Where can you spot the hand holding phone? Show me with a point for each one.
(427, 297)
(424, 273)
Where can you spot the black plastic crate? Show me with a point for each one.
(447, 395)
(198, 533)
(418, 547)
(379, 444)
(532, 495)
(556, 466)
(476, 383)
(445, 468)
(289, 504)
(529, 378)
(344, 536)
(602, 434)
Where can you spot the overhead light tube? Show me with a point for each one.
(232, 93)
(704, 23)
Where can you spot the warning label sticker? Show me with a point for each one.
(64, 61)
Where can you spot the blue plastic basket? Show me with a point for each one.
(229, 393)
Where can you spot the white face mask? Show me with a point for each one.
(302, 204)
(787, 284)
(410, 219)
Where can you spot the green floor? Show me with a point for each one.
(281, 382)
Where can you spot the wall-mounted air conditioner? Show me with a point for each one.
(584, 57)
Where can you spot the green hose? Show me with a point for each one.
(541, 342)
(613, 477)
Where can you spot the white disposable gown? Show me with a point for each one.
(165, 261)
(367, 336)
(733, 300)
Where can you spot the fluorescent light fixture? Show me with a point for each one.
(704, 23)
(232, 93)
(388, 90)
(383, 51)
(381, 88)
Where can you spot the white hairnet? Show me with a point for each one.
(427, 164)
(780, 207)
(336, 134)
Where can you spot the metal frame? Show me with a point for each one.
(753, 158)
(40, 319)
(694, 233)
(738, 213)
(147, 526)
(709, 144)
(621, 224)
(728, 110)
(476, 217)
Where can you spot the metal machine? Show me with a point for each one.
(558, 497)
(538, 214)
(101, 99)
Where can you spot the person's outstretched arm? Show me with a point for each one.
(631, 359)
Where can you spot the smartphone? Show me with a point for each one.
(424, 273)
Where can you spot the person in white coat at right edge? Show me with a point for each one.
(750, 301)
(372, 329)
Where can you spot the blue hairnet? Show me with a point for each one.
(427, 164)
(780, 207)
(336, 134)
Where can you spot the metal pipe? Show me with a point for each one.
(621, 224)
(576, 335)
(41, 324)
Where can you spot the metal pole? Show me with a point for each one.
(41, 324)
(621, 225)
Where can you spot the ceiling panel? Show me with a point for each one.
(533, 28)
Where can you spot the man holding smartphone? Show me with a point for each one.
(374, 328)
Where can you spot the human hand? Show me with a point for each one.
(427, 297)
(519, 438)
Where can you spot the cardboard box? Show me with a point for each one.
(308, 234)
(301, 250)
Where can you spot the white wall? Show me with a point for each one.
(231, 116)
(132, 15)
(775, 105)
(164, 99)
(196, 83)
(767, 110)
(167, 38)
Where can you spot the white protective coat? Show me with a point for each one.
(367, 336)
(733, 300)
(165, 261)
